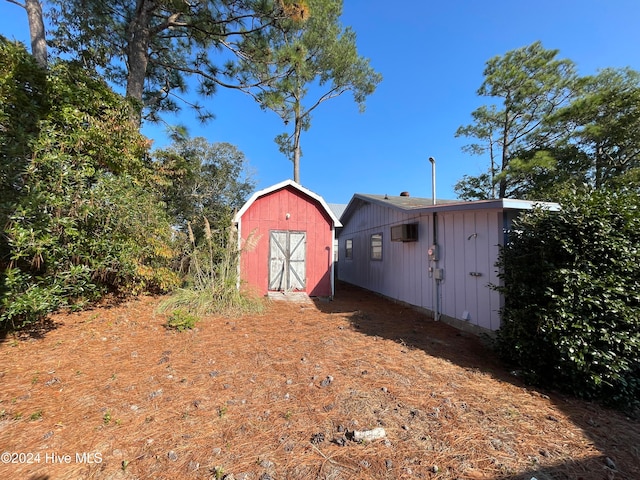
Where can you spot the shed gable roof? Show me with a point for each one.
(281, 185)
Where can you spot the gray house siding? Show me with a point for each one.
(469, 246)
(468, 249)
(458, 286)
(399, 275)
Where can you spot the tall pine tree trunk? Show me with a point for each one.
(297, 131)
(502, 189)
(36, 31)
(138, 54)
(599, 168)
(296, 148)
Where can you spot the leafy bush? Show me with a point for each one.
(79, 204)
(20, 111)
(571, 283)
(181, 320)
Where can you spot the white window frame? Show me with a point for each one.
(348, 249)
(375, 244)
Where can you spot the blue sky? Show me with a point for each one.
(431, 55)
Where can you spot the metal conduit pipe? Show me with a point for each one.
(436, 282)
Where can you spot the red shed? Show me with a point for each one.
(286, 236)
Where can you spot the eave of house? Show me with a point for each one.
(418, 205)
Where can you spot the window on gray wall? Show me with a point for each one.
(376, 246)
(348, 249)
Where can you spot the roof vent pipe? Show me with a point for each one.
(433, 180)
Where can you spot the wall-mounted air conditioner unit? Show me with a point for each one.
(407, 232)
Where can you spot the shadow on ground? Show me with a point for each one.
(39, 328)
(612, 433)
(36, 330)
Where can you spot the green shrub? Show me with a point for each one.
(181, 320)
(79, 202)
(571, 284)
(25, 299)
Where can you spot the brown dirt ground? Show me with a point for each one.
(245, 396)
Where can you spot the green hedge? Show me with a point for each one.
(571, 283)
(79, 205)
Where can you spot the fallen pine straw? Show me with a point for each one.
(249, 396)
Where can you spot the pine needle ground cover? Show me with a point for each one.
(112, 393)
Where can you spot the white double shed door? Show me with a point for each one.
(287, 260)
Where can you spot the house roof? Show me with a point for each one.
(425, 205)
(337, 208)
(281, 185)
(403, 202)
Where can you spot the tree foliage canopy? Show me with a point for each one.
(152, 47)
(272, 49)
(206, 180)
(528, 84)
(291, 70)
(604, 125)
(553, 129)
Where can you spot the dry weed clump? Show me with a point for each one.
(278, 395)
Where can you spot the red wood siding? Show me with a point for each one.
(269, 212)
